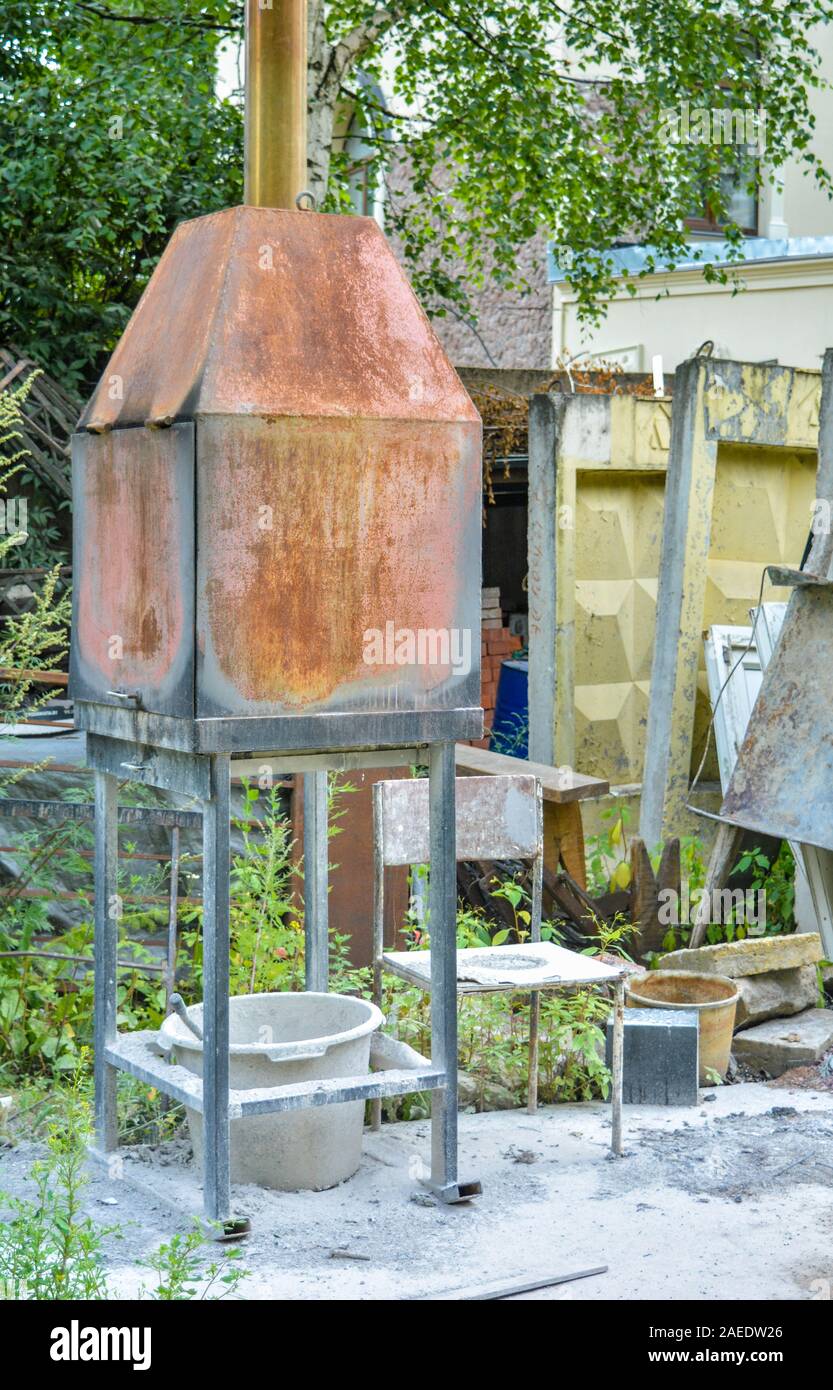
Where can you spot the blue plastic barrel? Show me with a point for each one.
(510, 727)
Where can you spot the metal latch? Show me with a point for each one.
(131, 698)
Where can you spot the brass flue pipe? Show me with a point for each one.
(276, 102)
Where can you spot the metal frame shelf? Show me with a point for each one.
(206, 777)
(137, 1054)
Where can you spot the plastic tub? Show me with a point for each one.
(277, 1040)
(713, 996)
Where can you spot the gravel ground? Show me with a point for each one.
(731, 1199)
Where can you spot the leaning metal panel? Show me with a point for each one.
(783, 779)
(133, 561)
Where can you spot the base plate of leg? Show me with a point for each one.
(110, 1159)
(452, 1192)
(228, 1230)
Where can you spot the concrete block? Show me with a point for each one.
(776, 994)
(752, 956)
(661, 1056)
(783, 1043)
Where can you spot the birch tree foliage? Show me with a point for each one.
(600, 121)
(499, 118)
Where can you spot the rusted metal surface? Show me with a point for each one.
(133, 609)
(348, 730)
(264, 312)
(333, 462)
(351, 871)
(497, 818)
(313, 534)
(336, 498)
(783, 780)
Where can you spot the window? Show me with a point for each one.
(741, 205)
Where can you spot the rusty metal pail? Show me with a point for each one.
(713, 996)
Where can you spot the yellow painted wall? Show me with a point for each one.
(618, 535)
(608, 563)
(760, 516)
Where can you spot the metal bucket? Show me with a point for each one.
(713, 996)
(279, 1040)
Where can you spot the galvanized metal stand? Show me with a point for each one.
(443, 888)
(316, 914)
(208, 779)
(215, 1024)
(106, 945)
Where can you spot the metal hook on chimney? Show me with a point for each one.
(305, 193)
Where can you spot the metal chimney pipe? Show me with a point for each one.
(276, 102)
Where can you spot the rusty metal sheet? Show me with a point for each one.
(338, 566)
(497, 818)
(783, 780)
(266, 312)
(133, 564)
(350, 901)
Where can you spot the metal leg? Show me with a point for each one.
(107, 916)
(443, 929)
(534, 1021)
(216, 867)
(173, 911)
(818, 866)
(616, 1069)
(316, 850)
(378, 930)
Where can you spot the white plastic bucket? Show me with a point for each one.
(278, 1040)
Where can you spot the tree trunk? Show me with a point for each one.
(328, 66)
(323, 86)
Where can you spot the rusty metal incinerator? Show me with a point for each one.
(277, 502)
(277, 554)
